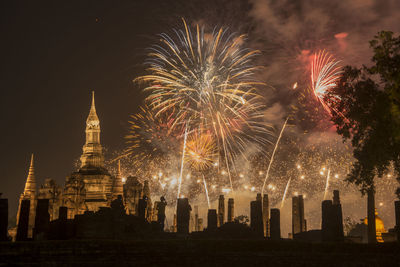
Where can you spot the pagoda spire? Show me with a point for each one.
(30, 185)
(92, 156)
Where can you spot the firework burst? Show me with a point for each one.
(207, 81)
(325, 73)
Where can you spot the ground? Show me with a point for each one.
(195, 253)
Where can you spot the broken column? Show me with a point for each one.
(3, 218)
(298, 221)
(221, 210)
(142, 207)
(327, 221)
(196, 218)
(275, 224)
(183, 216)
(212, 220)
(231, 210)
(23, 220)
(256, 223)
(42, 219)
(265, 214)
(338, 217)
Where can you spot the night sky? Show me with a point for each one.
(54, 53)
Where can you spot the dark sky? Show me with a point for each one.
(52, 55)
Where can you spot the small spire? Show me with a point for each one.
(119, 169)
(30, 185)
(93, 105)
(92, 114)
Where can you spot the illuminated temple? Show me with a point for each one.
(88, 188)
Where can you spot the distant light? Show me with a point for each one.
(381, 204)
(213, 186)
(296, 193)
(295, 85)
(298, 166)
(123, 179)
(215, 164)
(154, 177)
(188, 176)
(336, 176)
(246, 187)
(241, 175)
(321, 172)
(323, 169)
(198, 181)
(302, 177)
(389, 175)
(225, 190)
(160, 174)
(260, 172)
(253, 188)
(223, 172)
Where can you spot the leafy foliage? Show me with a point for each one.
(366, 111)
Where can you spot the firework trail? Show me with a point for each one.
(182, 163)
(273, 154)
(209, 80)
(206, 190)
(325, 72)
(327, 183)
(286, 190)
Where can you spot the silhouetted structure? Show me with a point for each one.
(275, 224)
(142, 207)
(23, 220)
(183, 216)
(298, 221)
(327, 221)
(3, 218)
(265, 214)
(256, 218)
(200, 225)
(221, 210)
(42, 219)
(161, 212)
(212, 220)
(397, 215)
(196, 218)
(332, 219)
(231, 210)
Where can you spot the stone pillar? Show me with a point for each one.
(298, 222)
(200, 224)
(256, 223)
(3, 219)
(275, 224)
(221, 210)
(42, 220)
(371, 217)
(231, 210)
(196, 218)
(23, 220)
(183, 216)
(338, 217)
(212, 220)
(265, 214)
(142, 207)
(327, 221)
(174, 228)
(397, 216)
